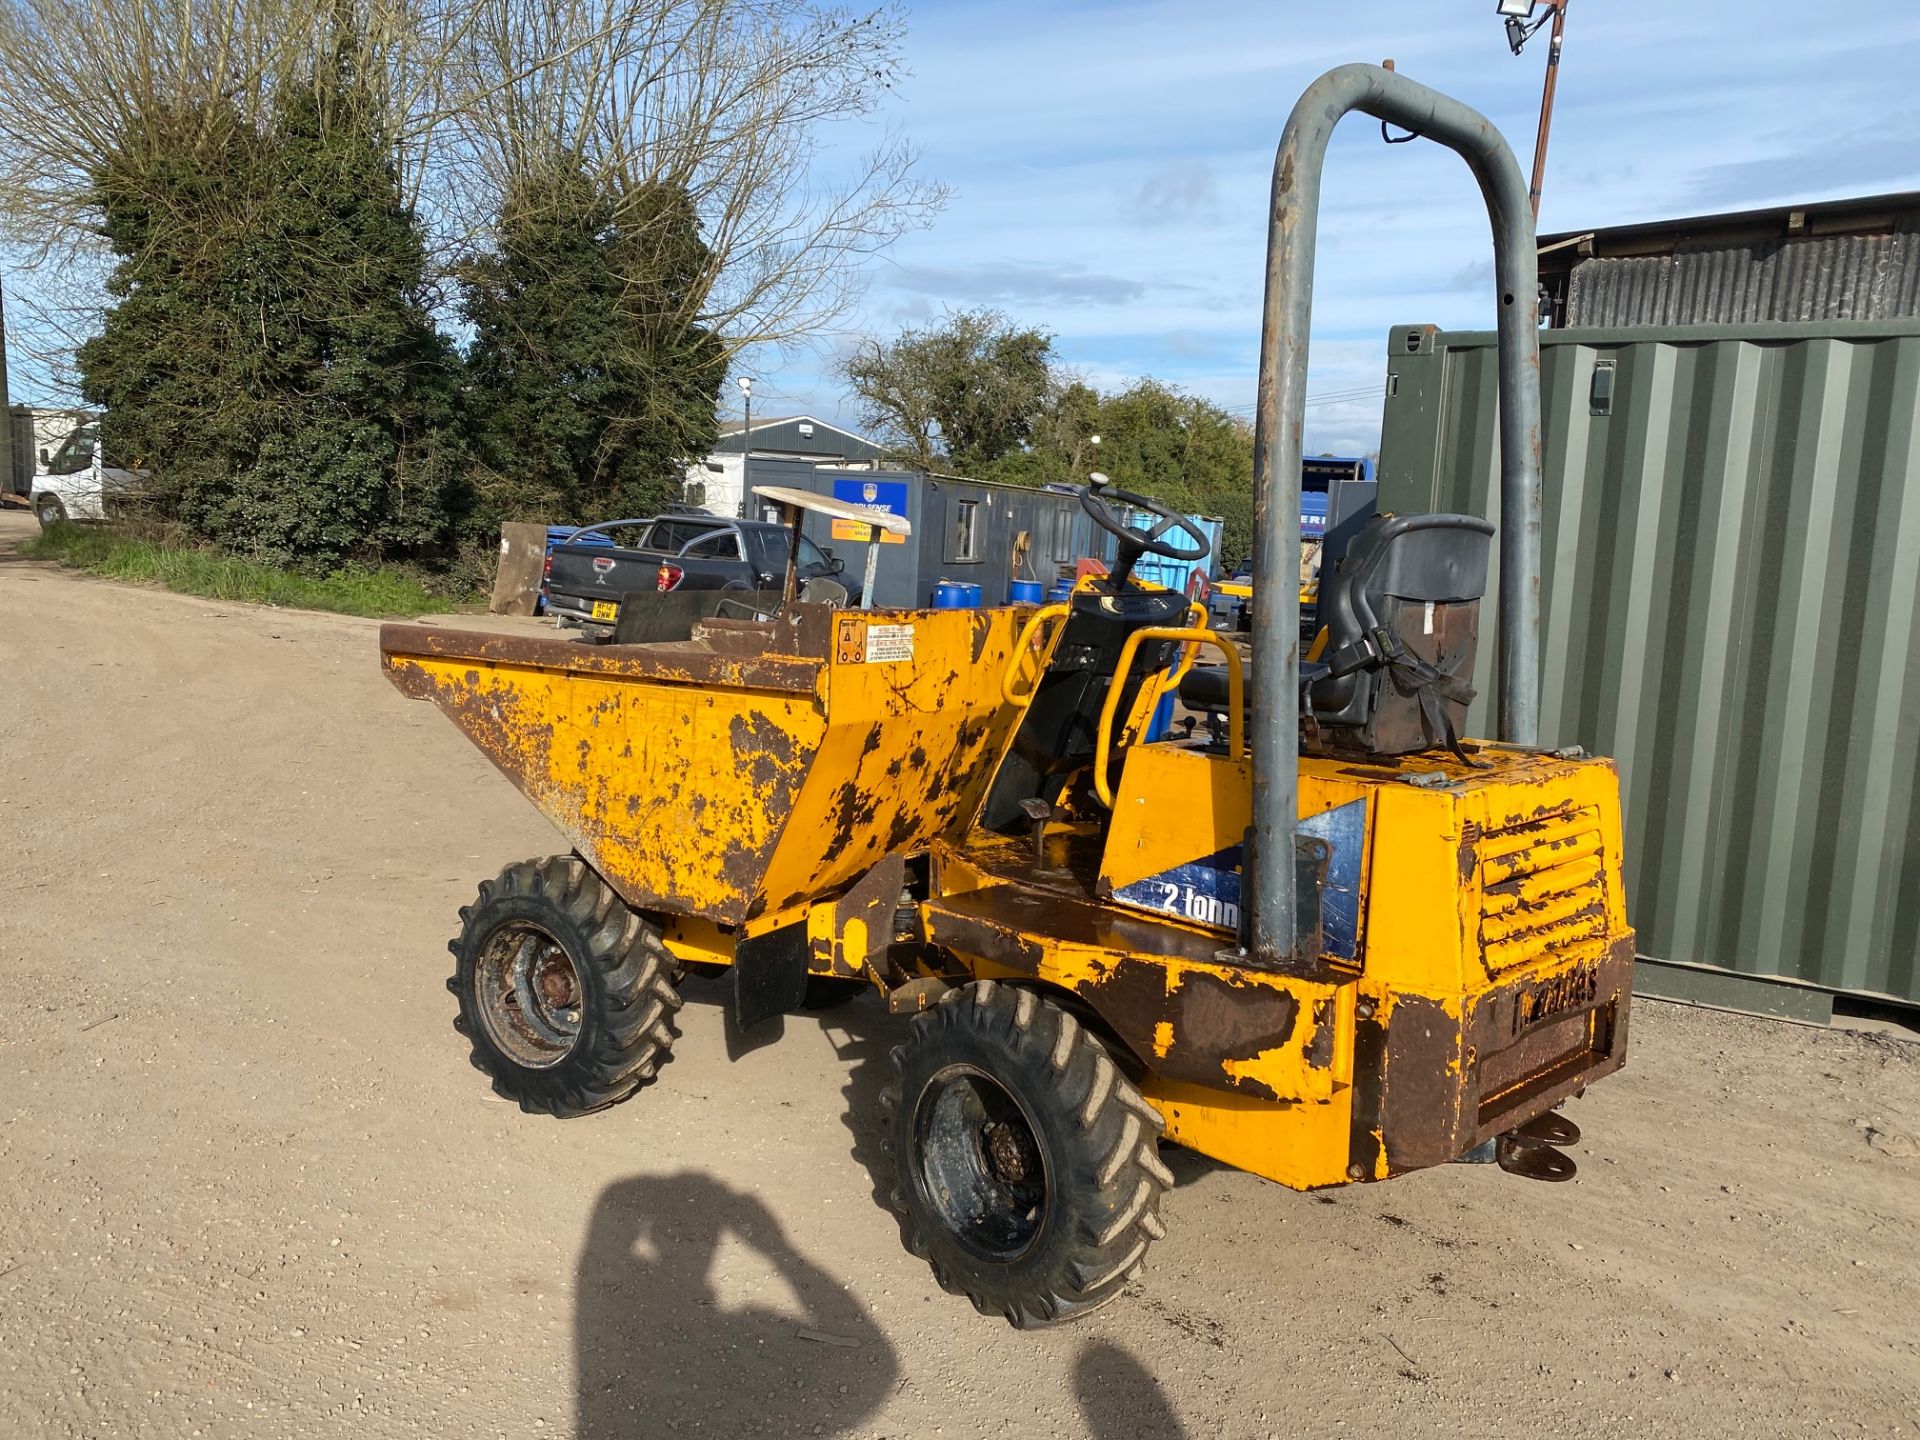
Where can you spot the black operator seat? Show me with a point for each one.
(1205, 687)
(1402, 617)
(1403, 624)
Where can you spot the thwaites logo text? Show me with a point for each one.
(1569, 991)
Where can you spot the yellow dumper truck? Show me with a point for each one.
(1336, 941)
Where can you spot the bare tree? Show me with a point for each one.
(732, 102)
(85, 81)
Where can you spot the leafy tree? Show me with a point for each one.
(174, 202)
(964, 392)
(270, 352)
(736, 102)
(982, 395)
(1059, 447)
(590, 388)
(1184, 450)
(1154, 440)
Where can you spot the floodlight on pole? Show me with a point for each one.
(1521, 27)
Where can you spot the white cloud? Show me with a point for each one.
(1176, 192)
(1112, 162)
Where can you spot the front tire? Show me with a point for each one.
(566, 995)
(49, 511)
(1027, 1168)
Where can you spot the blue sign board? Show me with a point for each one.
(887, 495)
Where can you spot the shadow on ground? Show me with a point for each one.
(862, 1033)
(659, 1351)
(1119, 1399)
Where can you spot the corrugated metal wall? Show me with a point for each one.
(1834, 277)
(1732, 611)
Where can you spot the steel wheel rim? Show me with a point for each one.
(978, 1164)
(527, 990)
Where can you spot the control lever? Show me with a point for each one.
(1038, 813)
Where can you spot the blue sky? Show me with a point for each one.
(1110, 165)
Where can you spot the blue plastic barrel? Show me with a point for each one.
(1061, 590)
(1026, 592)
(1162, 723)
(955, 595)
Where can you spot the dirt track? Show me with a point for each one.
(249, 1186)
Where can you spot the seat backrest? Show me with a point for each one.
(1402, 619)
(820, 590)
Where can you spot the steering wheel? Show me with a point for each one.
(1098, 500)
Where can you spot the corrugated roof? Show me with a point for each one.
(734, 427)
(1853, 259)
(1836, 277)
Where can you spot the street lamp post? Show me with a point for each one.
(746, 441)
(1520, 28)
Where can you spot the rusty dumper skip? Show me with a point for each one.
(1331, 941)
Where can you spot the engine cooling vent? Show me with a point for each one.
(1543, 889)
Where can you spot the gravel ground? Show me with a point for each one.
(249, 1185)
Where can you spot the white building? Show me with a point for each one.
(719, 483)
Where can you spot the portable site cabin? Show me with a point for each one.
(969, 531)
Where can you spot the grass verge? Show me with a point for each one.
(376, 592)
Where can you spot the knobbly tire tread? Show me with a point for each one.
(628, 979)
(1098, 1133)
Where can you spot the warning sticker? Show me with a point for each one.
(888, 643)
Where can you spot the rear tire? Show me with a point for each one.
(1027, 1169)
(49, 511)
(566, 995)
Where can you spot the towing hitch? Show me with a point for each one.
(1533, 1151)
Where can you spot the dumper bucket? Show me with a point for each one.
(742, 773)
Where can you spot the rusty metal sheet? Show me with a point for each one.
(717, 779)
(862, 923)
(678, 796)
(1433, 1080)
(667, 663)
(1161, 989)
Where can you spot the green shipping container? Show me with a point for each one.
(1731, 540)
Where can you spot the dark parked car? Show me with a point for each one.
(588, 578)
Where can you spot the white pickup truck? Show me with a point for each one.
(75, 482)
